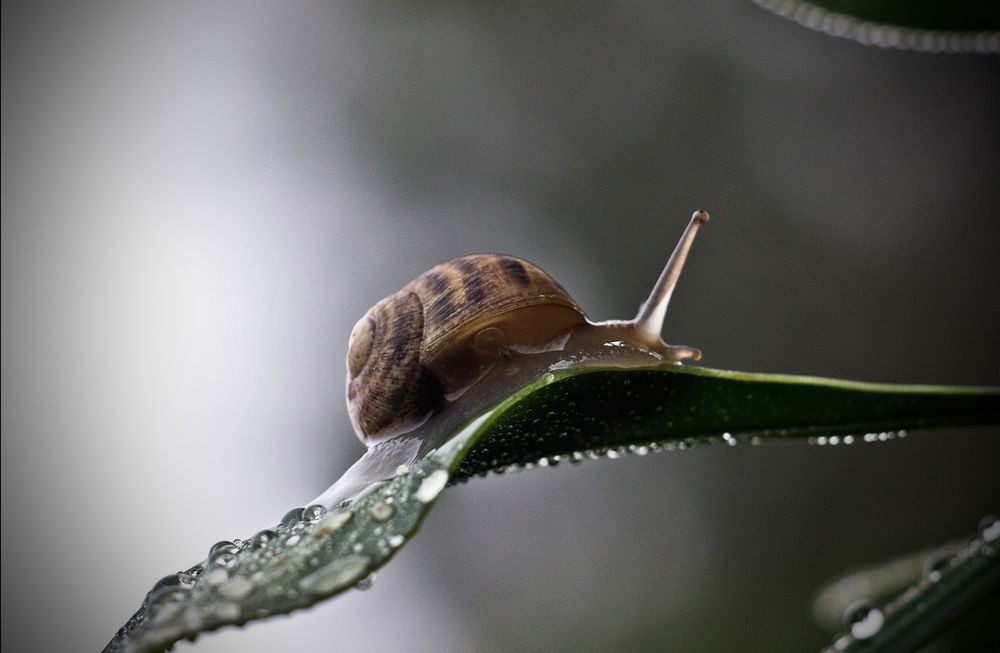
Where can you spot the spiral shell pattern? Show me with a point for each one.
(400, 348)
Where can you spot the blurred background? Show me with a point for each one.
(200, 199)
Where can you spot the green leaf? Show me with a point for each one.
(947, 587)
(874, 583)
(594, 410)
(359, 524)
(927, 25)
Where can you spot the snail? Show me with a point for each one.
(492, 323)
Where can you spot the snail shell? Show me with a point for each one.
(443, 332)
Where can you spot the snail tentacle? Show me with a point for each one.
(649, 320)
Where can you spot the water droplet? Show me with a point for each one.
(227, 611)
(293, 539)
(186, 580)
(382, 511)
(402, 470)
(225, 546)
(225, 559)
(192, 619)
(863, 619)
(396, 541)
(989, 528)
(166, 583)
(313, 512)
(293, 515)
(848, 439)
(236, 588)
(366, 582)
(431, 486)
(730, 440)
(339, 573)
(548, 378)
(167, 611)
(936, 565)
(196, 570)
(332, 523)
(216, 575)
(262, 539)
(357, 547)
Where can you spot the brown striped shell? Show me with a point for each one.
(443, 331)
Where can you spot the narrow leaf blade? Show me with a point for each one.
(600, 409)
(570, 412)
(924, 25)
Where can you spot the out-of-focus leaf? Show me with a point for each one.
(948, 588)
(336, 544)
(926, 25)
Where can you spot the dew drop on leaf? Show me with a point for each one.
(431, 486)
(337, 574)
(863, 619)
(226, 559)
(989, 528)
(236, 588)
(332, 523)
(216, 575)
(381, 511)
(165, 583)
(219, 548)
(227, 611)
(292, 516)
(366, 582)
(313, 512)
(936, 565)
(262, 539)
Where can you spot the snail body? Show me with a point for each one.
(488, 322)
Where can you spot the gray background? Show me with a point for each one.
(200, 199)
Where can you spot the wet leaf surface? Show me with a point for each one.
(338, 543)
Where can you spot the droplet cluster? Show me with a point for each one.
(593, 415)
(309, 554)
(864, 620)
